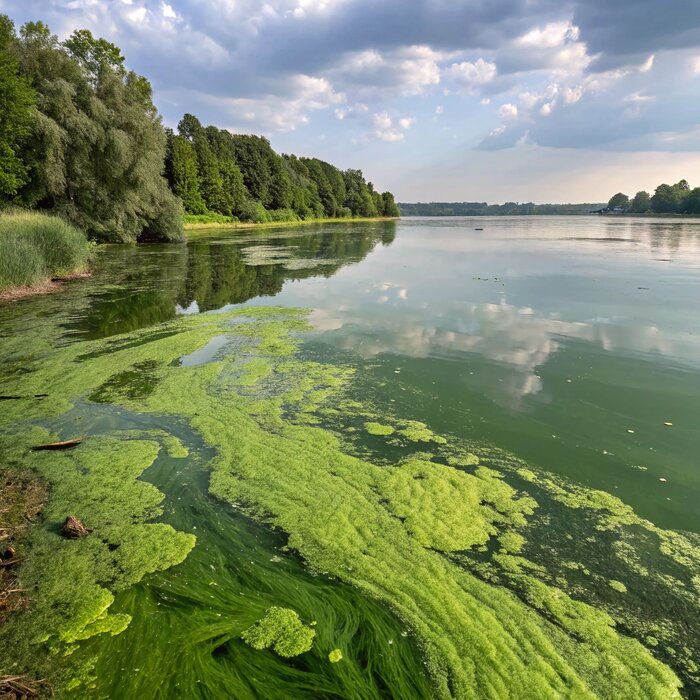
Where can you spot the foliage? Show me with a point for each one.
(641, 203)
(36, 247)
(282, 630)
(667, 199)
(80, 136)
(96, 151)
(16, 111)
(240, 175)
(618, 200)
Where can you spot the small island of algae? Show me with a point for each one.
(281, 630)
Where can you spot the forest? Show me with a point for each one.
(667, 199)
(484, 209)
(81, 138)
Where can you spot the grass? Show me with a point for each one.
(230, 223)
(35, 248)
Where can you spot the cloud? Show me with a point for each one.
(508, 111)
(471, 75)
(576, 74)
(389, 129)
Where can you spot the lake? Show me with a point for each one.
(464, 450)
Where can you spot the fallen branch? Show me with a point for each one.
(66, 444)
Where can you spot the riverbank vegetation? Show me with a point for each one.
(81, 138)
(484, 209)
(36, 248)
(667, 199)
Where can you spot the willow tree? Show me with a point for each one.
(98, 148)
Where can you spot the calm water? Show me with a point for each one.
(552, 337)
(570, 342)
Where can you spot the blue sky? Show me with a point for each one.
(491, 100)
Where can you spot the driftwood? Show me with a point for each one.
(74, 529)
(66, 444)
(21, 687)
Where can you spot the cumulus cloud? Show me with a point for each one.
(470, 75)
(561, 74)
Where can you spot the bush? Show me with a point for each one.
(283, 215)
(254, 212)
(211, 217)
(36, 247)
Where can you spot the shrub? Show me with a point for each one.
(36, 247)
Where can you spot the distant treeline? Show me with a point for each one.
(80, 137)
(212, 170)
(484, 209)
(667, 199)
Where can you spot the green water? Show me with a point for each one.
(565, 343)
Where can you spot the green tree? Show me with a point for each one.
(666, 199)
(691, 202)
(94, 54)
(390, 206)
(618, 200)
(641, 203)
(97, 152)
(17, 112)
(183, 173)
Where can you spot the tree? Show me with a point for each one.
(97, 151)
(93, 55)
(618, 200)
(691, 202)
(666, 199)
(390, 207)
(641, 203)
(183, 175)
(17, 112)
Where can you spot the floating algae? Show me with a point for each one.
(379, 429)
(282, 631)
(416, 534)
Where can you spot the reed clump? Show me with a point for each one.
(36, 248)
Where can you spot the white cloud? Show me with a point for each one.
(406, 71)
(508, 111)
(647, 65)
(551, 35)
(168, 11)
(439, 110)
(306, 94)
(471, 75)
(406, 122)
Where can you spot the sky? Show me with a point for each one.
(435, 100)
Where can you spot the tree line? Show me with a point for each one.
(667, 199)
(240, 175)
(484, 209)
(80, 137)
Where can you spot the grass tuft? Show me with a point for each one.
(35, 248)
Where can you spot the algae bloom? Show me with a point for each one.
(281, 630)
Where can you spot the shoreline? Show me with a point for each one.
(283, 224)
(49, 286)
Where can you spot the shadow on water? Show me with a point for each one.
(139, 287)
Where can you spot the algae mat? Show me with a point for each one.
(431, 566)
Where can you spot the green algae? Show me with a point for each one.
(74, 581)
(379, 429)
(281, 630)
(335, 656)
(395, 532)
